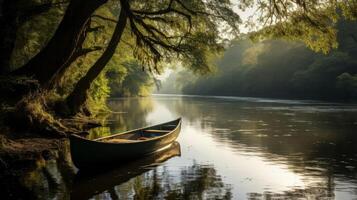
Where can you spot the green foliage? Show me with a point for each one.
(316, 38)
(136, 81)
(276, 68)
(99, 92)
(34, 34)
(312, 22)
(176, 81)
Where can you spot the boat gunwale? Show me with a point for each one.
(98, 140)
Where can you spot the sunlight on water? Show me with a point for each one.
(252, 168)
(236, 148)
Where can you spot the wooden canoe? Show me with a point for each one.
(122, 147)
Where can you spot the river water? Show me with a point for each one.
(235, 148)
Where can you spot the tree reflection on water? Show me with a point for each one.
(195, 182)
(126, 115)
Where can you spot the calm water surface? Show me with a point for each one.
(235, 148)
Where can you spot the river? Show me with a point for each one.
(236, 148)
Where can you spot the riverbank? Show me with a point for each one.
(27, 163)
(34, 146)
(27, 149)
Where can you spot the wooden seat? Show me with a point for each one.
(143, 138)
(120, 140)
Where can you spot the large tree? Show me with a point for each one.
(186, 31)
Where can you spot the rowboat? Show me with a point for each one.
(122, 147)
(87, 184)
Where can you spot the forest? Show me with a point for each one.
(278, 69)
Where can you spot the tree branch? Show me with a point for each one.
(85, 51)
(105, 18)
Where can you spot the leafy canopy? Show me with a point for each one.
(180, 31)
(310, 21)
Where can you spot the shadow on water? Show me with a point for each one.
(90, 183)
(46, 179)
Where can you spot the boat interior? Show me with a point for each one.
(141, 134)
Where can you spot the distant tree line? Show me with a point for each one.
(281, 69)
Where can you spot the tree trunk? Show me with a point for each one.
(8, 29)
(78, 97)
(64, 42)
(57, 76)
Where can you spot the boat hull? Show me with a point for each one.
(94, 154)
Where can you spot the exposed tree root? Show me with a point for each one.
(34, 113)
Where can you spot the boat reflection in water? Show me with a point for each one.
(90, 183)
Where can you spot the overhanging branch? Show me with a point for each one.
(105, 18)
